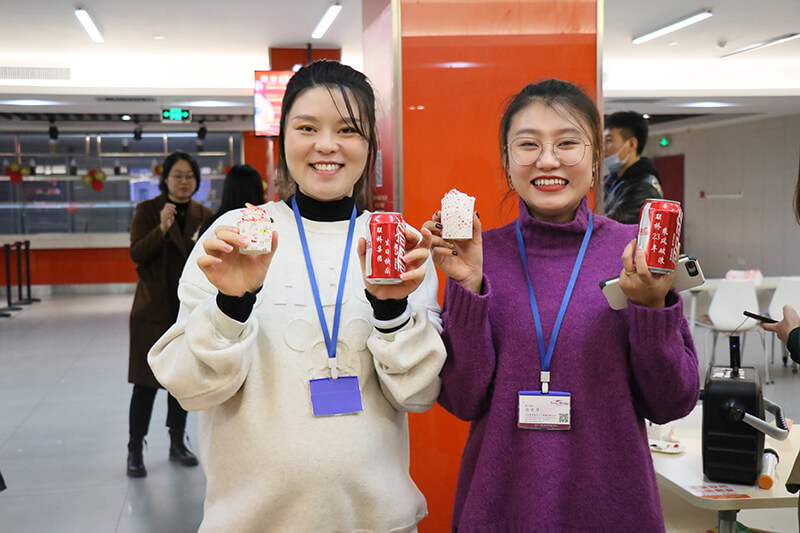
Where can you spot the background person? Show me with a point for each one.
(249, 341)
(632, 178)
(788, 330)
(243, 184)
(163, 230)
(507, 291)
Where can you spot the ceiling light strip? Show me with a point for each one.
(88, 24)
(327, 19)
(688, 21)
(764, 44)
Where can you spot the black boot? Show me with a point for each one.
(178, 451)
(135, 460)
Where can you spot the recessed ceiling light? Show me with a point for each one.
(326, 21)
(764, 44)
(88, 24)
(159, 37)
(707, 104)
(31, 102)
(125, 117)
(672, 43)
(675, 26)
(645, 116)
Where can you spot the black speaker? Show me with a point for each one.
(732, 450)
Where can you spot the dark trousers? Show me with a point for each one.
(141, 409)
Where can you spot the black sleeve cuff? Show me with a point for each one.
(385, 310)
(793, 344)
(237, 307)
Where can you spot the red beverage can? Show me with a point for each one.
(660, 234)
(386, 246)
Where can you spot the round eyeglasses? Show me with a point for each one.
(569, 151)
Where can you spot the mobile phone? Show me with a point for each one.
(688, 275)
(761, 318)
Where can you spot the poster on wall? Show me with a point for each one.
(267, 96)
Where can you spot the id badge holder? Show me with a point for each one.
(341, 396)
(551, 411)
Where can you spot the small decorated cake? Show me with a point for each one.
(457, 215)
(256, 226)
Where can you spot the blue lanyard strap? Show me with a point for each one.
(330, 340)
(546, 356)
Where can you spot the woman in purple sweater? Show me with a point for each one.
(556, 384)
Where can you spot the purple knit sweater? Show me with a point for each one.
(620, 367)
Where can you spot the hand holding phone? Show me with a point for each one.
(760, 318)
(688, 275)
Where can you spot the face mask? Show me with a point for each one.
(613, 162)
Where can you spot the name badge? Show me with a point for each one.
(340, 396)
(550, 411)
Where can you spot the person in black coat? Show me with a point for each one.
(633, 178)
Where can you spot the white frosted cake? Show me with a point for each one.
(457, 215)
(256, 225)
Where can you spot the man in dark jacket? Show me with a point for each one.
(633, 178)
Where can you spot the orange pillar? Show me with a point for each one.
(458, 64)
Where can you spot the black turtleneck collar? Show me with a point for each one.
(322, 211)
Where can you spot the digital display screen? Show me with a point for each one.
(268, 95)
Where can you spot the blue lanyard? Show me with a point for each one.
(330, 340)
(546, 356)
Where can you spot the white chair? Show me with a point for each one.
(731, 298)
(787, 292)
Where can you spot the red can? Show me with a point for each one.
(386, 246)
(660, 234)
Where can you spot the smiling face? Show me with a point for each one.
(551, 190)
(325, 154)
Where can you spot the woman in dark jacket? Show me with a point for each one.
(163, 232)
(788, 330)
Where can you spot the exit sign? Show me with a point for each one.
(176, 114)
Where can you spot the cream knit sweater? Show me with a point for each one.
(271, 465)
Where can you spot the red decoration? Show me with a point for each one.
(97, 185)
(16, 177)
(157, 170)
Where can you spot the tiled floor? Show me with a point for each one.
(63, 426)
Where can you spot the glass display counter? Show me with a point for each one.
(55, 196)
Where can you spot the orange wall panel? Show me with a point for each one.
(80, 265)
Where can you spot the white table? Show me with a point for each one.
(683, 473)
(711, 284)
(768, 283)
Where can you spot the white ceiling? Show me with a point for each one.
(210, 49)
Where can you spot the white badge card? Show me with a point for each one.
(544, 411)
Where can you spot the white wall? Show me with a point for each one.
(748, 172)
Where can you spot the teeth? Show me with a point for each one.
(550, 181)
(326, 166)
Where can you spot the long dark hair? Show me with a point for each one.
(355, 89)
(170, 161)
(243, 184)
(564, 97)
